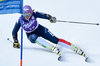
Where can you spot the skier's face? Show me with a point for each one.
(27, 17)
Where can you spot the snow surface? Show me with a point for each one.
(85, 36)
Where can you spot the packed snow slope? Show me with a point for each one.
(85, 36)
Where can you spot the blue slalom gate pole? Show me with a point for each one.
(21, 55)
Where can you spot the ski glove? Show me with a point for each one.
(16, 44)
(53, 19)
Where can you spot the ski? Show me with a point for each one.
(59, 58)
(86, 59)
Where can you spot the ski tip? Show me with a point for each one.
(86, 59)
(59, 58)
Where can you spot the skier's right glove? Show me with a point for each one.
(16, 44)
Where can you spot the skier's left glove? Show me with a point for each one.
(53, 19)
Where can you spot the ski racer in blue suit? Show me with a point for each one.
(36, 32)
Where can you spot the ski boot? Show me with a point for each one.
(57, 51)
(79, 51)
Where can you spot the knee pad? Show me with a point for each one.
(33, 38)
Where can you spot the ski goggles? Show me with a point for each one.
(27, 14)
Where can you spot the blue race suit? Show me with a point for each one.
(33, 29)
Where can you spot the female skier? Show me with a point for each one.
(35, 31)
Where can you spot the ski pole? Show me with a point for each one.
(9, 40)
(78, 22)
